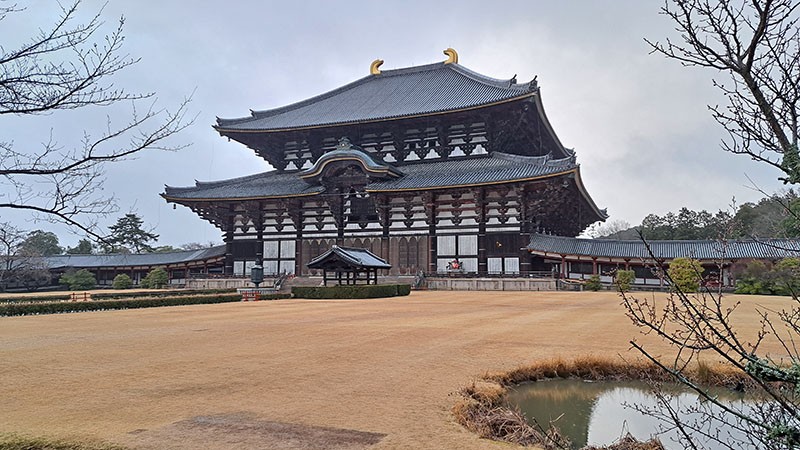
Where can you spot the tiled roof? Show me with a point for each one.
(127, 260)
(391, 94)
(262, 185)
(355, 257)
(497, 168)
(636, 249)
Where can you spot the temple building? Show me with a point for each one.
(421, 166)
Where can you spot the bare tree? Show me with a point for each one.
(68, 66)
(19, 267)
(755, 45)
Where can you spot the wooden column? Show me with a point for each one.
(479, 195)
(295, 209)
(258, 222)
(228, 237)
(525, 218)
(429, 198)
(383, 207)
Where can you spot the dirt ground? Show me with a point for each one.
(293, 374)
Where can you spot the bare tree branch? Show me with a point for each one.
(71, 65)
(756, 45)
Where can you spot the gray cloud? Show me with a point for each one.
(638, 122)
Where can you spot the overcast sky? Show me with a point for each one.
(638, 122)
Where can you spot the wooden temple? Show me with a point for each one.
(419, 165)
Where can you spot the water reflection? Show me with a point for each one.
(594, 413)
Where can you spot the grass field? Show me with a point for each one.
(294, 374)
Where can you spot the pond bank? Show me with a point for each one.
(482, 409)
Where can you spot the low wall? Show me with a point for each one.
(220, 283)
(491, 284)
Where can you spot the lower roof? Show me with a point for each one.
(133, 260)
(445, 173)
(543, 244)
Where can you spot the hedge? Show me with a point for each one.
(170, 293)
(352, 291)
(117, 295)
(66, 307)
(31, 298)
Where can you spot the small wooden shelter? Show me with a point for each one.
(349, 265)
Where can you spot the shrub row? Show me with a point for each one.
(170, 293)
(42, 298)
(117, 295)
(65, 307)
(352, 291)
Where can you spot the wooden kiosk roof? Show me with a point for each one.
(348, 258)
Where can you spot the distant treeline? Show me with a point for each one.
(772, 217)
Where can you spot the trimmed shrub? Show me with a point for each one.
(624, 279)
(170, 293)
(119, 295)
(686, 274)
(593, 283)
(156, 279)
(81, 280)
(755, 279)
(29, 299)
(122, 281)
(102, 305)
(786, 277)
(352, 291)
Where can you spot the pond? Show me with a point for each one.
(599, 413)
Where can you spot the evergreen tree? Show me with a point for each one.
(84, 247)
(128, 234)
(42, 243)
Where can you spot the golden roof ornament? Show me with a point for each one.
(374, 67)
(452, 56)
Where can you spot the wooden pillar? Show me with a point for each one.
(524, 214)
(430, 217)
(259, 239)
(383, 207)
(563, 266)
(228, 238)
(594, 265)
(480, 206)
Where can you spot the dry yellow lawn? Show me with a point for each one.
(292, 373)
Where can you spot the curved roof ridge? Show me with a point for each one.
(541, 159)
(259, 114)
(220, 182)
(496, 82)
(367, 160)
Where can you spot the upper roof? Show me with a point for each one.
(435, 173)
(357, 258)
(665, 250)
(397, 93)
(129, 260)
